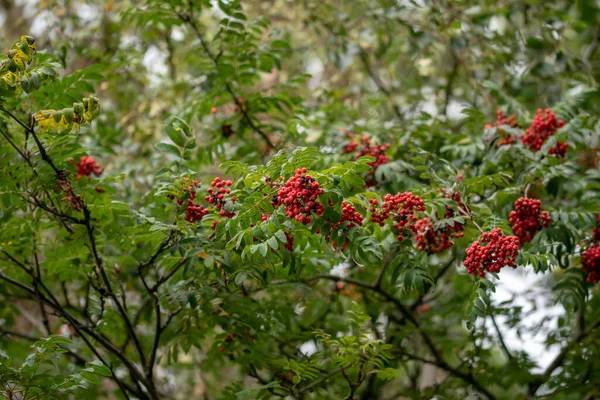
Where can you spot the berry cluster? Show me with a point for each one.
(349, 214)
(366, 148)
(86, 166)
(433, 240)
(428, 238)
(527, 219)
(193, 212)
(542, 127)
(590, 262)
(401, 207)
(289, 245)
(560, 150)
(501, 120)
(299, 196)
(492, 252)
(216, 196)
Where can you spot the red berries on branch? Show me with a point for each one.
(501, 120)
(491, 253)
(349, 214)
(299, 197)
(590, 262)
(560, 150)
(527, 219)
(366, 148)
(401, 207)
(217, 194)
(428, 238)
(289, 245)
(193, 212)
(542, 127)
(432, 240)
(86, 166)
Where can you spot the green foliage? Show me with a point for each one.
(114, 127)
(479, 301)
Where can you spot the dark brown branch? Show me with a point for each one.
(318, 381)
(450, 82)
(111, 293)
(14, 146)
(501, 338)
(560, 358)
(169, 274)
(466, 377)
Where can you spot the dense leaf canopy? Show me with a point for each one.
(299, 199)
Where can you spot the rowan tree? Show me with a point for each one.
(298, 200)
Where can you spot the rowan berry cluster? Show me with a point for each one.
(217, 194)
(349, 214)
(491, 253)
(299, 197)
(428, 238)
(527, 219)
(86, 166)
(433, 240)
(366, 148)
(401, 207)
(542, 127)
(590, 263)
(501, 120)
(193, 212)
(560, 150)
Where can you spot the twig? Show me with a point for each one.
(39, 144)
(450, 83)
(190, 21)
(379, 83)
(501, 338)
(593, 46)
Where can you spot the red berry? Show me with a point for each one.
(502, 120)
(401, 207)
(86, 166)
(590, 263)
(491, 253)
(560, 150)
(213, 110)
(368, 149)
(299, 197)
(527, 219)
(542, 127)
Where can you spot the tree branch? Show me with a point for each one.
(190, 21)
